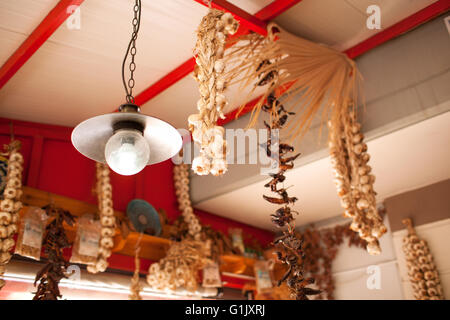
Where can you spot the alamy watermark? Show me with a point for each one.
(374, 280)
(74, 20)
(251, 146)
(374, 19)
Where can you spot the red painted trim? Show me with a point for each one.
(399, 28)
(35, 161)
(45, 29)
(31, 129)
(126, 263)
(245, 19)
(275, 8)
(234, 282)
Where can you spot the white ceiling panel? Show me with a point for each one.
(342, 23)
(18, 19)
(251, 6)
(76, 74)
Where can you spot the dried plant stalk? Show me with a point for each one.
(136, 287)
(107, 219)
(354, 181)
(422, 271)
(209, 49)
(312, 76)
(179, 268)
(10, 205)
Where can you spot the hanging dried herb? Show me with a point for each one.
(314, 77)
(55, 240)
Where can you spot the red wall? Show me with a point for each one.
(53, 164)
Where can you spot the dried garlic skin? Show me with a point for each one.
(354, 183)
(211, 38)
(179, 268)
(422, 270)
(10, 204)
(107, 219)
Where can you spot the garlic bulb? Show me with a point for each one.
(107, 219)
(422, 271)
(211, 38)
(183, 260)
(353, 180)
(10, 205)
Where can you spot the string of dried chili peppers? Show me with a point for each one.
(55, 240)
(289, 246)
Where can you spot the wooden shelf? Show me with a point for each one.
(152, 248)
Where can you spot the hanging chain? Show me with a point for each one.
(129, 85)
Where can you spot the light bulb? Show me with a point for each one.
(127, 152)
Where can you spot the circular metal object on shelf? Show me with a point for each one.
(90, 136)
(144, 217)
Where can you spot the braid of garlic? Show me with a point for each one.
(10, 205)
(179, 268)
(353, 180)
(183, 260)
(210, 46)
(362, 183)
(422, 271)
(181, 181)
(107, 219)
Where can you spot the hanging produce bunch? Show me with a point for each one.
(10, 204)
(422, 271)
(290, 246)
(211, 37)
(55, 240)
(180, 267)
(353, 179)
(313, 77)
(181, 182)
(107, 219)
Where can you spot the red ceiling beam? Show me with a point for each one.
(399, 28)
(276, 7)
(43, 31)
